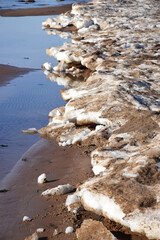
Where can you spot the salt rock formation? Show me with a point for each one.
(91, 229)
(114, 108)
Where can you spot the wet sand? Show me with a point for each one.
(35, 11)
(62, 165)
(21, 194)
(9, 72)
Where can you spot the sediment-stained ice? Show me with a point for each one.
(115, 108)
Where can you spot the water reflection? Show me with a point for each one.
(68, 80)
(23, 43)
(27, 100)
(24, 103)
(15, 4)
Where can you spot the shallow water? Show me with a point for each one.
(23, 43)
(15, 4)
(26, 101)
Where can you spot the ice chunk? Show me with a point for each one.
(30, 131)
(69, 230)
(27, 219)
(40, 230)
(61, 189)
(97, 169)
(42, 178)
(47, 66)
(73, 203)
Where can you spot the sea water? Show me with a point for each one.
(26, 101)
(16, 4)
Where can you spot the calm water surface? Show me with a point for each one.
(15, 4)
(26, 101)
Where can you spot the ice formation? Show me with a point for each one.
(69, 230)
(27, 219)
(115, 108)
(73, 203)
(61, 189)
(42, 178)
(30, 131)
(40, 230)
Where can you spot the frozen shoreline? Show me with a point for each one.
(126, 132)
(116, 109)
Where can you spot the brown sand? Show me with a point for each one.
(35, 11)
(9, 72)
(62, 165)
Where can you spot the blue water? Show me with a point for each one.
(26, 101)
(23, 43)
(16, 4)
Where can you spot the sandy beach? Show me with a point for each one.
(24, 193)
(7, 73)
(35, 11)
(20, 194)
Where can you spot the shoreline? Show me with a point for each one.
(8, 72)
(23, 195)
(113, 110)
(35, 11)
(51, 210)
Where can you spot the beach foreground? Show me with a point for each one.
(24, 193)
(108, 132)
(116, 109)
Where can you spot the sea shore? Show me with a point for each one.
(35, 11)
(23, 196)
(7, 73)
(116, 109)
(20, 192)
(72, 164)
